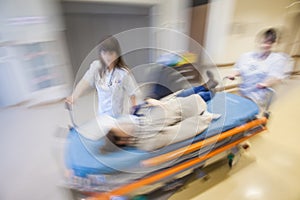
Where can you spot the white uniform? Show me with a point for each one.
(114, 89)
(177, 119)
(253, 70)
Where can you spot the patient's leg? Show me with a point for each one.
(205, 90)
(186, 129)
(192, 105)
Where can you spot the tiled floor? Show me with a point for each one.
(270, 170)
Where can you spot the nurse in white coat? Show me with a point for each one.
(261, 69)
(111, 78)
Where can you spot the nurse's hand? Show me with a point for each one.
(69, 101)
(261, 85)
(230, 77)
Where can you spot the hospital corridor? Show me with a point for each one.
(150, 99)
(31, 168)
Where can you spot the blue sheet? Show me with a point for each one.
(83, 155)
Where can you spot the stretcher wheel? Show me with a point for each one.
(230, 158)
(235, 154)
(174, 184)
(76, 195)
(200, 174)
(267, 114)
(140, 197)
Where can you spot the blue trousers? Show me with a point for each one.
(204, 93)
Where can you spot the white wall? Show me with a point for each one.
(233, 25)
(174, 15)
(24, 23)
(137, 2)
(219, 18)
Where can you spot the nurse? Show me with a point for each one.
(111, 78)
(261, 69)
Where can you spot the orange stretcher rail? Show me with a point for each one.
(126, 189)
(196, 146)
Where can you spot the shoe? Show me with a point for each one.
(211, 83)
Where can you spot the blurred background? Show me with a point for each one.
(44, 43)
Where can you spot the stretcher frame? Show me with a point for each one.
(249, 129)
(244, 132)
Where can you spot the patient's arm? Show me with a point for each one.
(153, 102)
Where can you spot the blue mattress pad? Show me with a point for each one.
(83, 156)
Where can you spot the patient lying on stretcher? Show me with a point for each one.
(158, 123)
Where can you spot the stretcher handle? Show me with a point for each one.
(270, 99)
(269, 89)
(69, 107)
(224, 87)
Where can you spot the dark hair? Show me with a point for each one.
(110, 43)
(270, 35)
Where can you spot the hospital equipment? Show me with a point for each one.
(115, 175)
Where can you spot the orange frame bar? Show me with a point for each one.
(176, 169)
(196, 146)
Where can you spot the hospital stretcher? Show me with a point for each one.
(116, 174)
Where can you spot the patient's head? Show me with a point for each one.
(119, 136)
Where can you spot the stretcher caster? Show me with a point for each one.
(234, 156)
(140, 197)
(173, 185)
(267, 114)
(230, 158)
(77, 195)
(200, 174)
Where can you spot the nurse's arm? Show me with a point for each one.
(269, 82)
(133, 100)
(80, 88)
(233, 75)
